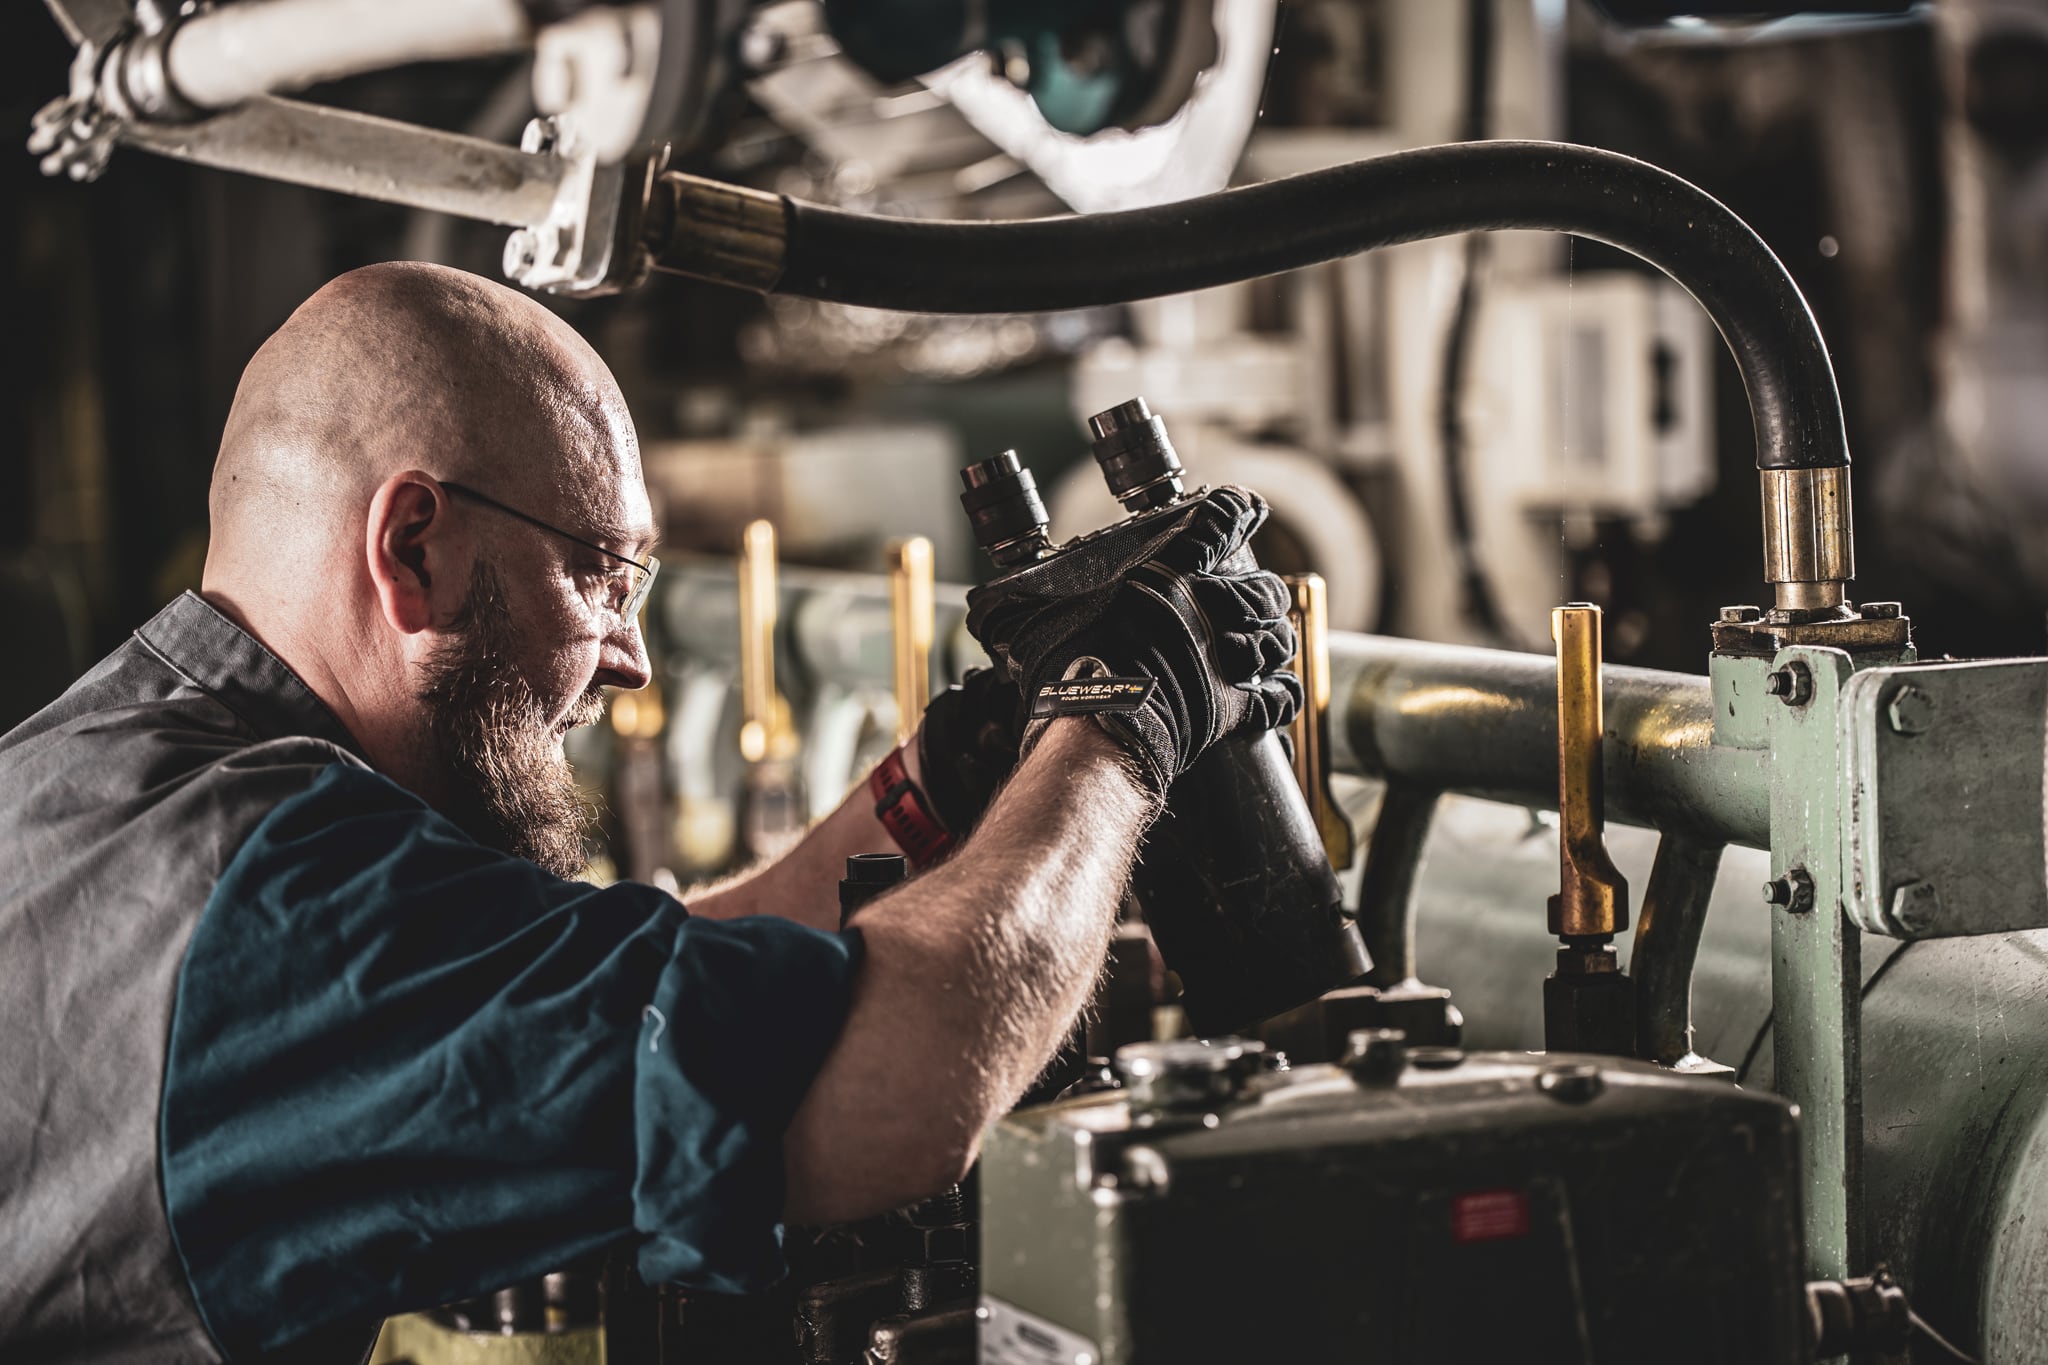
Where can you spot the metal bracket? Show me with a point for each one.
(1943, 827)
(1815, 948)
(1875, 628)
(1816, 980)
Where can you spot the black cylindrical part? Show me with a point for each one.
(1004, 508)
(1233, 878)
(868, 875)
(1239, 893)
(1138, 460)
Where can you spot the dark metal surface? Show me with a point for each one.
(1850, 630)
(1325, 1216)
(1386, 892)
(1667, 943)
(1955, 1135)
(1483, 722)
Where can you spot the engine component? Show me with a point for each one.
(1517, 1181)
(1234, 880)
(1588, 1002)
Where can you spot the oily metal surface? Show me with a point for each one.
(1483, 722)
(1955, 1135)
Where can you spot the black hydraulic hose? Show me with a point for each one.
(1093, 259)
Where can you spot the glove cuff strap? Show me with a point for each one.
(901, 806)
(1094, 694)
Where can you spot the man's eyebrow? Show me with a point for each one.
(633, 541)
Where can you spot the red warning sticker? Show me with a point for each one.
(1489, 1216)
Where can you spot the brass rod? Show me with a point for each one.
(1592, 899)
(758, 602)
(911, 609)
(1311, 729)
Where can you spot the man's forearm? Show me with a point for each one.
(973, 974)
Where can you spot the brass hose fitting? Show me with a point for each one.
(1809, 546)
(714, 231)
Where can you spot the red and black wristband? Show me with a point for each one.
(901, 806)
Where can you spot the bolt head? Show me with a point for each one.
(1910, 711)
(1573, 1083)
(1739, 616)
(762, 47)
(1916, 908)
(1376, 1056)
(522, 253)
(540, 136)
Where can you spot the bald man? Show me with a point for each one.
(306, 1025)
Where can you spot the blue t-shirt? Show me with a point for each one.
(405, 1069)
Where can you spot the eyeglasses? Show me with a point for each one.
(625, 588)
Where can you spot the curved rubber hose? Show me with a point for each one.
(1050, 263)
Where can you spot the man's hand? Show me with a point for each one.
(967, 746)
(1176, 604)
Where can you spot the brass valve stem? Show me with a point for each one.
(765, 728)
(1311, 729)
(910, 620)
(1592, 899)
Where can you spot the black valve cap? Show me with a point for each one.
(1004, 508)
(1137, 459)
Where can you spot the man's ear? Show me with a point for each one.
(407, 542)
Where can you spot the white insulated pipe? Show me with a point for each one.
(220, 58)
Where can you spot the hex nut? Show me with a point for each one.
(1792, 893)
(1882, 611)
(1792, 684)
(1376, 1056)
(1910, 711)
(1915, 908)
(1741, 616)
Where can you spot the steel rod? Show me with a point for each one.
(1483, 722)
(364, 156)
(1667, 944)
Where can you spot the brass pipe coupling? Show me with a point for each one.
(1809, 541)
(710, 230)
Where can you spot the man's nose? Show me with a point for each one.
(623, 661)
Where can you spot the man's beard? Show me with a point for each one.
(506, 781)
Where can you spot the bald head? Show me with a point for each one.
(413, 366)
(428, 503)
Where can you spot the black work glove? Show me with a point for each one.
(967, 746)
(1173, 603)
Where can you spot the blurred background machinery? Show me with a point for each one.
(1455, 435)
